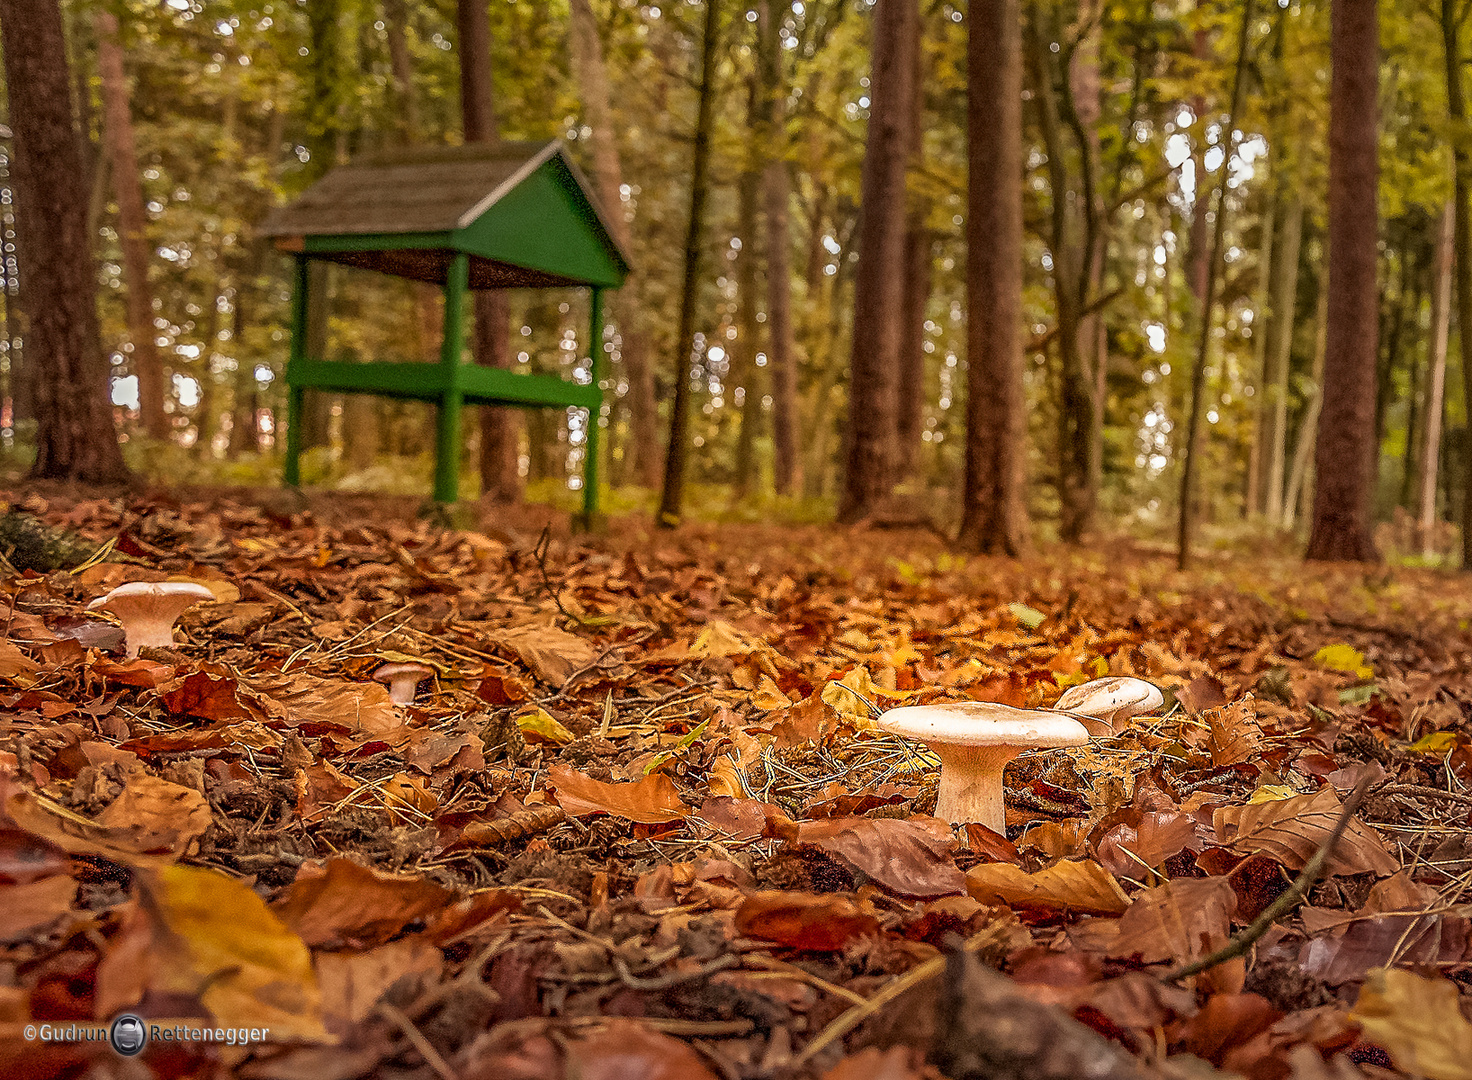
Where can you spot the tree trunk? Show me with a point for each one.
(1280, 352)
(1186, 522)
(1345, 452)
(75, 438)
(127, 186)
(1266, 268)
(1309, 427)
(781, 360)
(641, 457)
(1441, 315)
(745, 372)
(1462, 239)
(500, 426)
(401, 63)
(869, 473)
(994, 516)
(919, 265)
(672, 498)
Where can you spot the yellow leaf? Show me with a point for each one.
(1343, 657)
(1083, 887)
(844, 702)
(721, 639)
(1271, 793)
(1418, 1021)
(541, 724)
(1438, 742)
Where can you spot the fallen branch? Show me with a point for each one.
(1307, 878)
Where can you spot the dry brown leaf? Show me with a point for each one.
(155, 815)
(819, 921)
(909, 858)
(551, 654)
(1180, 921)
(625, 1049)
(1234, 735)
(1084, 887)
(352, 983)
(29, 907)
(340, 903)
(650, 801)
(1291, 830)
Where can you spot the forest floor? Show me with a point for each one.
(633, 828)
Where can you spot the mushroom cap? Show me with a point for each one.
(984, 723)
(156, 599)
(1104, 699)
(397, 669)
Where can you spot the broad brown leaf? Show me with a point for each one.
(1291, 830)
(551, 654)
(822, 922)
(1180, 921)
(1083, 887)
(909, 858)
(343, 904)
(650, 801)
(156, 815)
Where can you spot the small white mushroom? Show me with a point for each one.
(403, 679)
(974, 741)
(148, 610)
(1114, 701)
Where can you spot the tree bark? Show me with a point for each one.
(919, 265)
(1441, 315)
(1298, 481)
(641, 456)
(994, 516)
(672, 497)
(1345, 451)
(1262, 303)
(127, 187)
(500, 427)
(1280, 351)
(401, 63)
(869, 473)
(781, 361)
(1462, 240)
(1186, 523)
(75, 437)
(748, 330)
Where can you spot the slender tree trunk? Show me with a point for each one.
(1415, 387)
(1262, 303)
(748, 330)
(75, 438)
(672, 498)
(1280, 352)
(918, 274)
(1186, 524)
(781, 358)
(132, 225)
(500, 427)
(1441, 316)
(994, 516)
(1462, 240)
(1093, 331)
(1303, 449)
(869, 473)
(18, 388)
(641, 457)
(401, 63)
(1345, 452)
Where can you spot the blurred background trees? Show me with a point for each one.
(824, 353)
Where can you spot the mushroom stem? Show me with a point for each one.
(401, 689)
(971, 784)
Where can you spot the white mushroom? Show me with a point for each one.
(403, 678)
(147, 610)
(974, 741)
(1114, 701)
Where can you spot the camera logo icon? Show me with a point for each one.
(128, 1035)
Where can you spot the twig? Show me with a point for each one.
(544, 544)
(674, 978)
(1425, 793)
(1306, 879)
(415, 1036)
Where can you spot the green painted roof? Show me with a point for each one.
(523, 211)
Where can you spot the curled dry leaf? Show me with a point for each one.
(1083, 887)
(343, 904)
(821, 922)
(1418, 1021)
(156, 815)
(650, 801)
(553, 655)
(909, 858)
(1291, 830)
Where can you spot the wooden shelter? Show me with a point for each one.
(483, 216)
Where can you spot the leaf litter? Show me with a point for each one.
(640, 822)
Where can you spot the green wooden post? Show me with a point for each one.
(447, 427)
(293, 475)
(590, 462)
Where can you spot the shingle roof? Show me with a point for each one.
(419, 189)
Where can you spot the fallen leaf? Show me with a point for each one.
(650, 801)
(155, 815)
(1179, 921)
(543, 726)
(821, 922)
(553, 655)
(909, 857)
(1083, 887)
(27, 908)
(352, 983)
(623, 1049)
(1291, 830)
(1418, 1021)
(341, 903)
